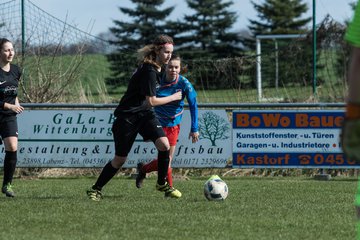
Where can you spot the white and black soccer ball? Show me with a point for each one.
(215, 189)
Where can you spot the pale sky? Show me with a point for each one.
(97, 16)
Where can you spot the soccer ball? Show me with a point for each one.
(215, 189)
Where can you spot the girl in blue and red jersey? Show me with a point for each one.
(170, 115)
(9, 107)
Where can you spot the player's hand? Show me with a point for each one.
(194, 136)
(18, 109)
(15, 108)
(350, 139)
(177, 96)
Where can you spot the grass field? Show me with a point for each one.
(256, 208)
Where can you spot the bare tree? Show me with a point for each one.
(51, 71)
(213, 127)
(48, 78)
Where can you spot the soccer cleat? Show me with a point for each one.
(7, 190)
(94, 194)
(140, 176)
(169, 191)
(173, 193)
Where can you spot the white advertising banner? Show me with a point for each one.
(289, 139)
(83, 138)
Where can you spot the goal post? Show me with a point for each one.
(273, 37)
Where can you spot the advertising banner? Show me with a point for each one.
(83, 138)
(288, 139)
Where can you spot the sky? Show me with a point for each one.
(97, 16)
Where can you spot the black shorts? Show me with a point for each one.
(8, 126)
(126, 127)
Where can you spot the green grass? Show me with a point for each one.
(95, 69)
(256, 208)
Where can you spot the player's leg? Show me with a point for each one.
(150, 131)
(108, 172)
(163, 147)
(169, 176)
(172, 134)
(10, 138)
(148, 167)
(142, 169)
(9, 165)
(124, 134)
(163, 167)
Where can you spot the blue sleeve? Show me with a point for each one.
(190, 94)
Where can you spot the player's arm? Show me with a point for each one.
(190, 94)
(17, 101)
(350, 135)
(13, 107)
(351, 128)
(155, 101)
(194, 132)
(150, 92)
(354, 77)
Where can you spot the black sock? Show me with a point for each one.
(163, 165)
(106, 175)
(9, 166)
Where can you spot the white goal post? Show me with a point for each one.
(258, 58)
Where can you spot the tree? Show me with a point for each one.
(212, 127)
(283, 17)
(210, 24)
(51, 72)
(148, 22)
(205, 37)
(279, 17)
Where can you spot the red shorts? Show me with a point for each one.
(172, 134)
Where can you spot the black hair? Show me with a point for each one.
(3, 41)
(175, 56)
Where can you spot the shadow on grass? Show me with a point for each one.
(334, 179)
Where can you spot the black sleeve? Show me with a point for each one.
(17, 72)
(20, 73)
(150, 80)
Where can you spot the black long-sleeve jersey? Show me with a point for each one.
(9, 83)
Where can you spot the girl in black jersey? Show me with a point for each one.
(9, 107)
(135, 114)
